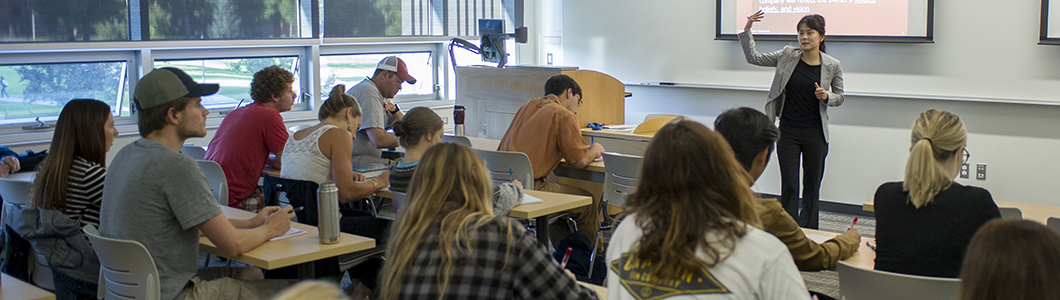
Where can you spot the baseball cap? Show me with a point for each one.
(395, 64)
(164, 85)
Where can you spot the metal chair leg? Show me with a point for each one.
(592, 255)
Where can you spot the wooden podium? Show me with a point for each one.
(492, 96)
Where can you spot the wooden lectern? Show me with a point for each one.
(492, 96)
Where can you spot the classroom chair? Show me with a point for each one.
(126, 269)
(1054, 223)
(457, 139)
(506, 166)
(296, 128)
(195, 152)
(1008, 213)
(864, 284)
(215, 176)
(622, 173)
(17, 193)
(399, 200)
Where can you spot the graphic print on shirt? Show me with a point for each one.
(635, 275)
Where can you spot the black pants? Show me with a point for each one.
(809, 146)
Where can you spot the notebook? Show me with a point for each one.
(290, 233)
(528, 199)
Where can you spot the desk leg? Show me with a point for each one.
(307, 270)
(544, 233)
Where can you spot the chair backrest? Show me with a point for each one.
(507, 166)
(195, 152)
(1008, 213)
(126, 269)
(622, 173)
(14, 192)
(300, 193)
(297, 128)
(457, 139)
(1054, 223)
(399, 200)
(216, 177)
(863, 284)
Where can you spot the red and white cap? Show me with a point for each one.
(396, 65)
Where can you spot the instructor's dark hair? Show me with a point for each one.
(748, 131)
(557, 85)
(815, 22)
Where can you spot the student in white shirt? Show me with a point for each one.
(689, 231)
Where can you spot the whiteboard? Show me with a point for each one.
(1051, 22)
(972, 59)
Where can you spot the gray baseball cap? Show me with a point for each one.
(164, 85)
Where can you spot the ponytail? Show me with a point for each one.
(416, 123)
(337, 101)
(937, 135)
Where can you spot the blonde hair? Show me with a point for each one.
(337, 101)
(450, 185)
(312, 290)
(937, 135)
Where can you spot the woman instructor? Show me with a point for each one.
(806, 82)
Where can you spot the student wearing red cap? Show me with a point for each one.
(377, 112)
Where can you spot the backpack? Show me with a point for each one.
(579, 258)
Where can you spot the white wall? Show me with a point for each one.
(982, 49)
(870, 141)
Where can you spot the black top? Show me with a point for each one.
(802, 109)
(929, 241)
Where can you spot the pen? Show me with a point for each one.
(511, 174)
(871, 246)
(298, 209)
(566, 257)
(853, 223)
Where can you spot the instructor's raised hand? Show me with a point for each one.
(756, 17)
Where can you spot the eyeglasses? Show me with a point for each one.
(966, 155)
(579, 100)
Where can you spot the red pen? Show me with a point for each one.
(853, 223)
(566, 257)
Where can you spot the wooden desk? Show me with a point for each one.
(13, 289)
(297, 250)
(864, 258)
(1033, 212)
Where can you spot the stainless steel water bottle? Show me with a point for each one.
(328, 213)
(458, 119)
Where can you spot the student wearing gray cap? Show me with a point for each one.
(158, 197)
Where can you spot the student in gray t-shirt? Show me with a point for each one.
(378, 114)
(158, 197)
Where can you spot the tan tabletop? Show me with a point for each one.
(864, 258)
(616, 134)
(1034, 212)
(13, 289)
(553, 203)
(290, 251)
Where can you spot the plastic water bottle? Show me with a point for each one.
(458, 119)
(328, 213)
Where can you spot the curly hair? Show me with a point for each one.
(270, 81)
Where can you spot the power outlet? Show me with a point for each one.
(965, 170)
(445, 121)
(980, 171)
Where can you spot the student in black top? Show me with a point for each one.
(924, 224)
(806, 83)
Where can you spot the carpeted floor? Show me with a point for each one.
(825, 282)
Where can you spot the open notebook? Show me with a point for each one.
(290, 233)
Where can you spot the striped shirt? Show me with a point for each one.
(84, 191)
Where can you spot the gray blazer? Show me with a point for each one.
(785, 60)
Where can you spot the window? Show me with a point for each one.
(228, 19)
(375, 18)
(41, 90)
(64, 20)
(234, 75)
(350, 69)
